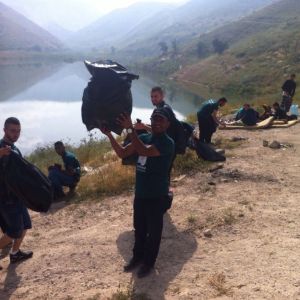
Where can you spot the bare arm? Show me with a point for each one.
(142, 126)
(214, 116)
(144, 150)
(141, 149)
(121, 151)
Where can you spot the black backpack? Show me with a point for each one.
(206, 152)
(27, 182)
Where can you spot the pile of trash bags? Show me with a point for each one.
(107, 95)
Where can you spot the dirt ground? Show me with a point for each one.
(251, 207)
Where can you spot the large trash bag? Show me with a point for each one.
(208, 153)
(27, 182)
(107, 95)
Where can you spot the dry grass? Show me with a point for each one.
(220, 218)
(111, 180)
(128, 294)
(218, 282)
(189, 162)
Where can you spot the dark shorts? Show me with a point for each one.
(15, 218)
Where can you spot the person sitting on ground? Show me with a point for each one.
(267, 113)
(155, 150)
(15, 219)
(248, 115)
(69, 177)
(280, 114)
(207, 119)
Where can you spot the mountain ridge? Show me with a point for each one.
(20, 33)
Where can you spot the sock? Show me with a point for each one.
(14, 252)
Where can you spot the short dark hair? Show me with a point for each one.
(223, 99)
(157, 89)
(58, 143)
(276, 104)
(293, 75)
(11, 120)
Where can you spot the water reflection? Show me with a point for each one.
(47, 100)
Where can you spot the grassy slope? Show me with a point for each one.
(106, 175)
(264, 49)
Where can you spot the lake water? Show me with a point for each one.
(47, 100)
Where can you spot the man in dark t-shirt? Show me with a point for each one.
(248, 115)
(70, 176)
(15, 219)
(155, 150)
(288, 92)
(207, 119)
(175, 131)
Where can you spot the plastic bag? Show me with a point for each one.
(107, 95)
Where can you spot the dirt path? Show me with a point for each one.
(251, 206)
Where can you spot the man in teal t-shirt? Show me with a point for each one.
(69, 177)
(151, 200)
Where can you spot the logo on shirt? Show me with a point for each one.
(141, 164)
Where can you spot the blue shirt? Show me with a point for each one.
(71, 163)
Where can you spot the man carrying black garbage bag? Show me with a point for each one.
(69, 177)
(175, 131)
(155, 151)
(207, 119)
(14, 215)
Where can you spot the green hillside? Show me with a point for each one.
(263, 49)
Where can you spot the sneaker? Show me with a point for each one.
(133, 263)
(144, 271)
(20, 256)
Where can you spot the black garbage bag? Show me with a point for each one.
(208, 153)
(27, 182)
(107, 95)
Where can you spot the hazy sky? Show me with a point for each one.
(71, 14)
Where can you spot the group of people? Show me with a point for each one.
(156, 149)
(249, 116)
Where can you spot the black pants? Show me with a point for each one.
(148, 225)
(286, 103)
(207, 127)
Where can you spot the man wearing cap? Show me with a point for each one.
(155, 151)
(175, 131)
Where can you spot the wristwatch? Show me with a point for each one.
(129, 130)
